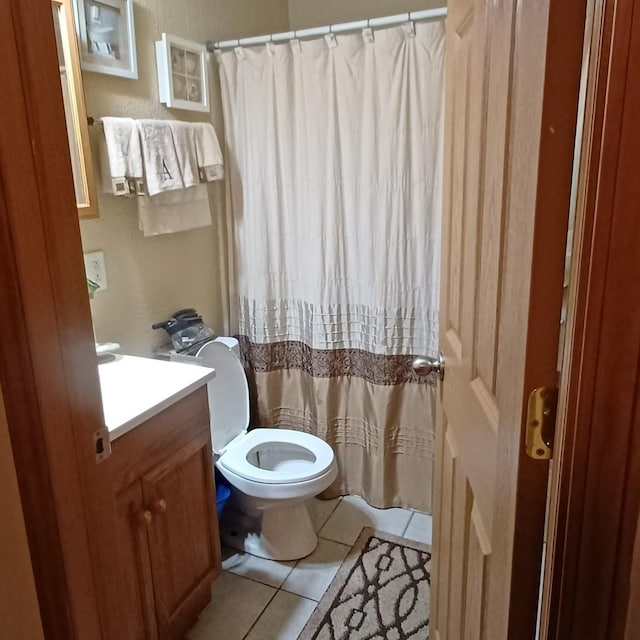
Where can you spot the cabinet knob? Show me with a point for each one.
(146, 517)
(160, 505)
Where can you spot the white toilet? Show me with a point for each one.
(272, 471)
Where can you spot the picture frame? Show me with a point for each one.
(106, 37)
(183, 79)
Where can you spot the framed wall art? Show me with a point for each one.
(106, 37)
(182, 73)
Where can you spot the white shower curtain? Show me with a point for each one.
(334, 163)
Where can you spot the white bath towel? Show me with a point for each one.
(123, 156)
(184, 138)
(161, 166)
(208, 152)
(174, 211)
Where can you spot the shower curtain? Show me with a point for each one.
(334, 153)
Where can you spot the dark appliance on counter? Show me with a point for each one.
(187, 331)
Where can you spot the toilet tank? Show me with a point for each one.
(230, 405)
(232, 343)
(228, 392)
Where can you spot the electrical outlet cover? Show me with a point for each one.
(95, 268)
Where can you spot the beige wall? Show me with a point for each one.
(149, 278)
(19, 613)
(315, 13)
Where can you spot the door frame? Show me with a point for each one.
(48, 366)
(595, 487)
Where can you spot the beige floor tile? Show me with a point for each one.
(353, 513)
(268, 572)
(320, 510)
(235, 605)
(283, 619)
(419, 527)
(312, 576)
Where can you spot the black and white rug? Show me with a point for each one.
(381, 592)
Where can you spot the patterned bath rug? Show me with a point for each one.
(381, 592)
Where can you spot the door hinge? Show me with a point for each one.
(101, 444)
(541, 422)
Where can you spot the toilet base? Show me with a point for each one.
(281, 534)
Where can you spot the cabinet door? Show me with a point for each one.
(133, 560)
(183, 537)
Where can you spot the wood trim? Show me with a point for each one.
(89, 209)
(564, 47)
(48, 368)
(596, 492)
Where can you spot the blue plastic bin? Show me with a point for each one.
(223, 491)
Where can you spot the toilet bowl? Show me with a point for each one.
(272, 472)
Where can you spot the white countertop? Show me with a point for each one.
(135, 389)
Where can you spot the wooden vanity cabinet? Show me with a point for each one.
(169, 544)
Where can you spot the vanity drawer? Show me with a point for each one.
(138, 451)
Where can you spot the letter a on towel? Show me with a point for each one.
(162, 169)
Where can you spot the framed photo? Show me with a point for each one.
(183, 81)
(106, 36)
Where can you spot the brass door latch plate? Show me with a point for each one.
(541, 422)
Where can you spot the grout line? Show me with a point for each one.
(293, 593)
(266, 606)
(264, 584)
(407, 527)
(321, 527)
(344, 544)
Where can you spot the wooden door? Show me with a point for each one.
(137, 585)
(183, 535)
(48, 366)
(593, 566)
(509, 135)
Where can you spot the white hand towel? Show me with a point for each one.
(208, 152)
(161, 166)
(184, 138)
(174, 211)
(124, 154)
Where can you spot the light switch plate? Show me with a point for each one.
(95, 267)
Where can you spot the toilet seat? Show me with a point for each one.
(318, 457)
(270, 460)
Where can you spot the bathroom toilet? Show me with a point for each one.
(273, 472)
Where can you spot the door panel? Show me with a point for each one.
(183, 537)
(140, 622)
(490, 498)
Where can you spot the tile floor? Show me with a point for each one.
(261, 599)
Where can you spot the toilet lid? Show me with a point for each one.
(228, 394)
(317, 458)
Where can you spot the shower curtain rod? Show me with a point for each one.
(427, 15)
